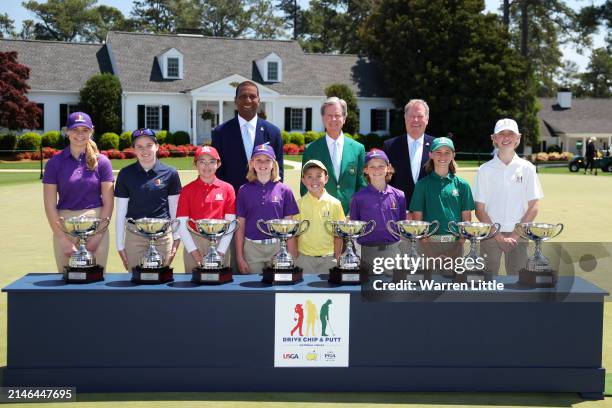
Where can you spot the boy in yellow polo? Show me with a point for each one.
(317, 248)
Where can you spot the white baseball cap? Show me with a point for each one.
(506, 124)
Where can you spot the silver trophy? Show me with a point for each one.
(211, 269)
(538, 272)
(283, 229)
(151, 266)
(474, 232)
(412, 231)
(349, 230)
(82, 265)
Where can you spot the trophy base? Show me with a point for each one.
(404, 275)
(472, 276)
(203, 276)
(83, 275)
(347, 276)
(546, 279)
(282, 276)
(152, 276)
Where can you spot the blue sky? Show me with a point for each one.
(18, 13)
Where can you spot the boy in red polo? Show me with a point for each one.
(205, 197)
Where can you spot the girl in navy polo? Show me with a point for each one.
(147, 188)
(264, 197)
(379, 202)
(78, 181)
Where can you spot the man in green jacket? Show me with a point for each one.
(342, 156)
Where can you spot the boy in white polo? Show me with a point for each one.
(506, 190)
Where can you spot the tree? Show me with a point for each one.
(321, 22)
(344, 92)
(101, 99)
(462, 66)
(597, 80)
(16, 111)
(7, 26)
(224, 18)
(591, 17)
(108, 19)
(293, 14)
(165, 16)
(264, 24)
(63, 20)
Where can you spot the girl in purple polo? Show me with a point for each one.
(78, 181)
(379, 202)
(264, 197)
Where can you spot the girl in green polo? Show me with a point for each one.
(442, 196)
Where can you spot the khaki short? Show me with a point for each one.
(136, 246)
(258, 256)
(202, 244)
(315, 264)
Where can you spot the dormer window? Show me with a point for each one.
(272, 71)
(173, 67)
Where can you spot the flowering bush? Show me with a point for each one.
(162, 153)
(115, 154)
(291, 148)
(129, 153)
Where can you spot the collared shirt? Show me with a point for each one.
(330, 147)
(442, 199)
(415, 162)
(380, 206)
(317, 240)
(200, 200)
(256, 201)
(148, 191)
(505, 190)
(78, 187)
(250, 136)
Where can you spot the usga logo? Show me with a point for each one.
(290, 356)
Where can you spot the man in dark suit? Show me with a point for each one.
(409, 152)
(235, 139)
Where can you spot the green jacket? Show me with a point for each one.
(351, 177)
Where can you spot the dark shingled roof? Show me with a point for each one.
(209, 59)
(587, 116)
(59, 66)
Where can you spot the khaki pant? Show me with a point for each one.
(315, 264)
(258, 256)
(202, 244)
(368, 253)
(101, 253)
(136, 246)
(514, 260)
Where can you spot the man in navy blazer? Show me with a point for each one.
(235, 139)
(414, 144)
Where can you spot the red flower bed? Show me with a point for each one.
(291, 149)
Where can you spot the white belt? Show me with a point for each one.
(263, 241)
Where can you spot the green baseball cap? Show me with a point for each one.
(441, 142)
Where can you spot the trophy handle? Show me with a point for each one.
(329, 227)
(230, 230)
(452, 230)
(257, 224)
(391, 227)
(431, 231)
(497, 226)
(300, 231)
(106, 223)
(130, 225)
(373, 223)
(560, 230)
(520, 230)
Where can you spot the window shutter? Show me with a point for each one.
(373, 120)
(308, 119)
(141, 116)
(288, 119)
(41, 118)
(166, 117)
(63, 114)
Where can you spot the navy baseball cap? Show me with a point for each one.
(143, 132)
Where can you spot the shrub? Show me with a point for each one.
(567, 156)
(129, 153)
(179, 151)
(163, 153)
(53, 139)
(301, 149)
(181, 138)
(297, 138)
(291, 149)
(108, 141)
(8, 141)
(541, 157)
(553, 149)
(311, 136)
(554, 156)
(29, 141)
(286, 136)
(372, 140)
(125, 140)
(23, 156)
(115, 154)
(161, 136)
(104, 152)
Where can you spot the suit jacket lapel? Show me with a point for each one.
(346, 152)
(425, 154)
(235, 130)
(259, 133)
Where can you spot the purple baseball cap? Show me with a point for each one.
(77, 119)
(264, 149)
(143, 132)
(376, 154)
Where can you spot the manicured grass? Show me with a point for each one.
(19, 178)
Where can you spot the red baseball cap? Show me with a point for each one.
(209, 150)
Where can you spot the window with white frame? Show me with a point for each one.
(272, 71)
(153, 117)
(297, 119)
(173, 67)
(379, 120)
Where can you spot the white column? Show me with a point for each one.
(583, 146)
(193, 120)
(220, 111)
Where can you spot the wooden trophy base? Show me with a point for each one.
(420, 275)
(211, 276)
(532, 279)
(83, 275)
(152, 276)
(472, 276)
(347, 277)
(282, 276)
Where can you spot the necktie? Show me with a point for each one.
(248, 141)
(335, 159)
(413, 165)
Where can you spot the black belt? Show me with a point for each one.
(380, 247)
